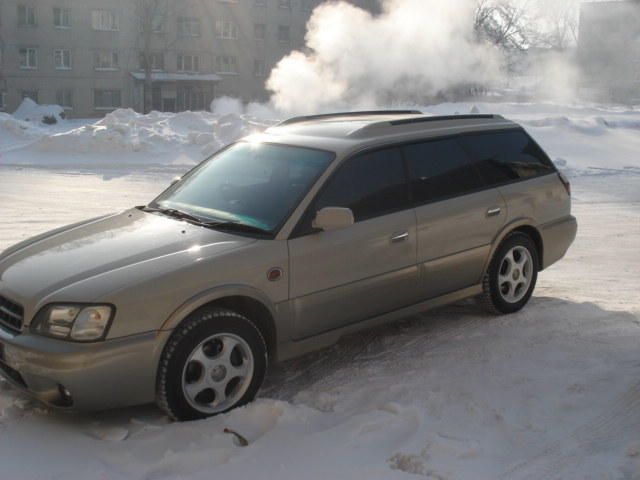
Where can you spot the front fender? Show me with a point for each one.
(211, 295)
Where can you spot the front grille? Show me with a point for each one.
(11, 315)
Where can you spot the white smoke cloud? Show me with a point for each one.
(415, 48)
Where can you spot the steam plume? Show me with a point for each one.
(414, 48)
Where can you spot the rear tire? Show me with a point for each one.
(215, 361)
(512, 275)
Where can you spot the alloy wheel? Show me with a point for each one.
(515, 274)
(217, 373)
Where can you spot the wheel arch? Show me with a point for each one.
(525, 226)
(246, 301)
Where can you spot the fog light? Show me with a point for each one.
(66, 400)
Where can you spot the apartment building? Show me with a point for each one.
(90, 55)
(609, 50)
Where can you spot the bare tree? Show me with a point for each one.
(151, 16)
(561, 22)
(504, 23)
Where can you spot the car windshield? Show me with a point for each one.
(250, 184)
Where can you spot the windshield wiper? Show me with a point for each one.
(215, 224)
(172, 212)
(237, 227)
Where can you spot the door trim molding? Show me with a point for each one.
(295, 348)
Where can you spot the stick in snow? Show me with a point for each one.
(241, 441)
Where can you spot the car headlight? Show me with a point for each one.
(82, 323)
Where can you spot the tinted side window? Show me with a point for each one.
(440, 169)
(371, 185)
(506, 156)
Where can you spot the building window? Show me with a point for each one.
(284, 34)
(156, 61)
(157, 22)
(260, 31)
(3, 100)
(104, 20)
(61, 17)
(62, 59)
(259, 68)
(28, 58)
(32, 94)
(225, 29)
(259, 3)
(284, 3)
(105, 60)
(26, 16)
(190, 98)
(106, 99)
(64, 98)
(188, 27)
(227, 64)
(188, 63)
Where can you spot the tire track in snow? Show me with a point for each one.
(430, 329)
(589, 439)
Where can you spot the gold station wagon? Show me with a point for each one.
(275, 246)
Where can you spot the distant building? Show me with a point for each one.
(609, 50)
(86, 54)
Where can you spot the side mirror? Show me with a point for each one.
(175, 180)
(333, 218)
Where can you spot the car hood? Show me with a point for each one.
(48, 263)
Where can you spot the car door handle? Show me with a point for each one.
(493, 212)
(399, 237)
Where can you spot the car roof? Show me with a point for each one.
(349, 131)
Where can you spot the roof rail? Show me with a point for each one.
(347, 114)
(441, 118)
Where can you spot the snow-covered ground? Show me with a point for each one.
(550, 392)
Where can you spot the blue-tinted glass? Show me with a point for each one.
(506, 156)
(371, 185)
(257, 184)
(440, 169)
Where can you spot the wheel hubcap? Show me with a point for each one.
(217, 373)
(514, 277)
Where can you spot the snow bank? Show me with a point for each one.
(11, 126)
(127, 137)
(30, 111)
(125, 131)
(572, 133)
(15, 133)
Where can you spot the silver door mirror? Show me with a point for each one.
(333, 218)
(175, 180)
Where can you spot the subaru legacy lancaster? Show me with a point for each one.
(275, 246)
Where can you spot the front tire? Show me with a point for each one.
(512, 275)
(215, 361)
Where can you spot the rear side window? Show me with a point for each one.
(440, 169)
(371, 185)
(506, 156)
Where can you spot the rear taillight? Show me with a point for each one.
(565, 181)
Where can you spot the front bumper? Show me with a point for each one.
(114, 373)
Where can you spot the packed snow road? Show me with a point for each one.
(550, 392)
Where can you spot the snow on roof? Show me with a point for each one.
(178, 77)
